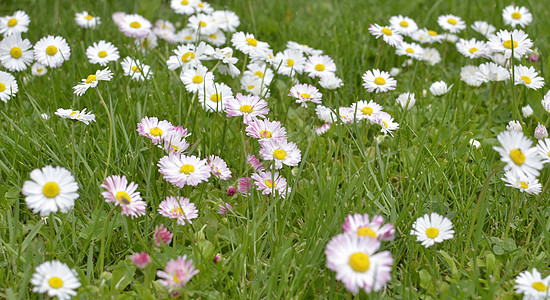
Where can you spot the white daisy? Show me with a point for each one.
(484, 28)
(473, 48)
(218, 167)
(532, 285)
(529, 185)
(135, 69)
(389, 34)
(197, 78)
(14, 24)
(305, 93)
(52, 51)
(387, 125)
(514, 125)
(147, 43)
(134, 25)
(102, 53)
(227, 20)
(56, 279)
(403, 25)
(15, 53)
(366, 110)
(517, 152)
(8, 86)
(290, 62)
(165, 34)
(528, 76)
(527, 111)
(92, 80)
(186, 36)
(217, 38)
(165, 24)
(412, 50)
(184, 7)
(516, 15)
(203, 24)
(246, 42)
(489, 72)
(330, 82)
(254, 85)
(378, 81)
(37, 69)
(406, 100)
(431, 56)
(319, 65)
(451, 23)
(188, 56)
(82, 116)
(440, 88)
(225, 55)
(431, 229)
(504, 41)
(543, 149)
(468, 75)
(85, 20)
(214, 96)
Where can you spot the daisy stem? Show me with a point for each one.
(435, 271)
(510, 215)
(379, 53)
(534, 215)
(110, 132)
(103, 233)
(174, 225)
(491, 100)
(72, 148)
(244, 63)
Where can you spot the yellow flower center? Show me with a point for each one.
(2, 87)
(539, 286)
(136, 69)
(73, 113)
(176, 279)
(379, 81)
(155, 131)
(259, 74)
(213, 36)
(509, 45)
(517, 157)
(197, 79)
(135, 25)
(279, 154)
(526, 79)
(12, 22)
(202, 24)
(252, 42)
(201, 5)
(367, 110)
(548, 152)
(386, 31)
(305, 95)
(246, 109)
(16, 52)
(91, 78)
(187, 56)
(189, 37)
(265, 133)
(174, 148)
(215, 97)
(250, 87)
(187, 169)
(184, 2)
(409, 50)
(432, 33)
(385, 124)
(359, 262)
(102, 54)
(404, 24)
(320, 67)
(51, 50)
(88, 17)
(516, 15)
(290, 62)
(523, 185)
(365, 231)
(39, 70)
(50, 189)
(472, 50)
(269, 183)
(55, 282)
(177, 211)
(452, 21)
(123, 197)
(432, 232)
(145, 43)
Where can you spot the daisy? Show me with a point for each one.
(8, 86)
(517, 153)
(378, 81)
(431, 56)
(326, 114)
(490, 72)
(386, 123)
(406, 100)
(255, 86)
(357, 263)
(52, 51)
(546, 102)
(528, 76)
(516, 15)
(543, 149)
(135, 26)
(203, 24)
(268, 182)
(260, 71)
(227, 20)
(204, 7)
(388, 34)
(319, 65)
(261, 56)
(85, 20)
(484, 28)
(177, 273)
(165, 34)
(412, 50)
(474, 143)
(246, 43)
(245, 184)
(281, 152)
(504, 41)
(254, 162)
(217, 38)
(82, 116)
(366, 109)
(154, 129)
(178, 208)
(184, 7)
(250, 107)
(362, 225)
(49, 190)
(186, 36)
(305, 49)
(218, 167)
(527, 111)
(330, 82)
(197, 78)
(92, 80)
(102, 53)
(215, 96)
(468, 75)
(14, 24)
(305, 93)
(37, 69)
(165, 24)
(347, 115)
(141, 260)
(451, 23)
(473, 48)
(174, 139)
(228, 62)
(322, 129)
(162, 236)
(265, 129)
(514, 126)
(181, 170)
(56, 279)
(431, 229)
(440, 88)
(118, 17)
(529, 185)
(532, 285)
(135, 69)
(124, 195)
(403, 25)
(187, 56)
(15, 53)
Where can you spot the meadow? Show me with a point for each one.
(271, 244)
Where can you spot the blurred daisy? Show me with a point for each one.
(178, 208)
(265, 129)
(117, 17)
(218, 167)
(440, 88)
(517, 153)
(52, 51)
(378, 81)
(135, 26)
(504, 41)
(330, 82)
(319, 65)
(15, 53)
(474, 143)
(165, 24)
(124, 195)
(162, 236)
(412, 50)
(516, 15)
(388, 34)
(154, 129)
(197, 78)
(174, 140)
(326, 114)
(366, 109)
(305, 49)
(514, 125)
(261, 71)
(56, 279)
(386, 123)
(254, 162)
(484, 28)
(184, 7)
(217, 38)
(165, 34)
(490, 72)
(254, 85)
(215, 96)
(451, 23)
(228, 62)
(305, 93)
(528, 76)
(85, 20)
(431, 229)
(403, 25)
(322, 129)
(527, 111)
(357, 263)
(146, 43)
(8, 86)
(82, 116)
(431, 56)
(543, 149)
(250, 107)
(362, 225)
(532, 285)
(37, 69)
(177, 273)
(246, 43)
(186, 36)
(268, 182)
(468, 75)
(529, 185)
(14, 24)
(181, 170)
(92, 80)
(227, 20)
(135, 69)
(281, 152)
(406, 100)
(203, 24)
(102, 53)
(473, 48)
(50, 189)
(141, 259)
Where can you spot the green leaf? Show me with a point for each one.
(498, 250)
(425, 278)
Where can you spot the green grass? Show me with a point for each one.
(271, 247)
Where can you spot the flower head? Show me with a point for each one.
(124, 195)
(362, 225)
(102, 52)
(281, 152)
(141, 259)
(177, 273)
(136, 26)
(516, 15)
(56, 279)
(532, 285)
(16, 53)
(218, 167)
(178, 208)
(154, 129)
(431, 229)
(52, 51)
(82, 116)
(378, 81)
(181, 170)
(268, 182)
(86, 20)
(250, 107)
(162, 235)
(8, 86)
(14, 24)
(440, 88)
(92, 80)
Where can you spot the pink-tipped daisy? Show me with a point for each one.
(181, 170)
(362, 225)
(265, 129)
(305, 93)
(124, 195)
(281, 152)
(250, 107)
(154, 129)
(177, 273)
(268, 182)
(218, 167)
(178, 208)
